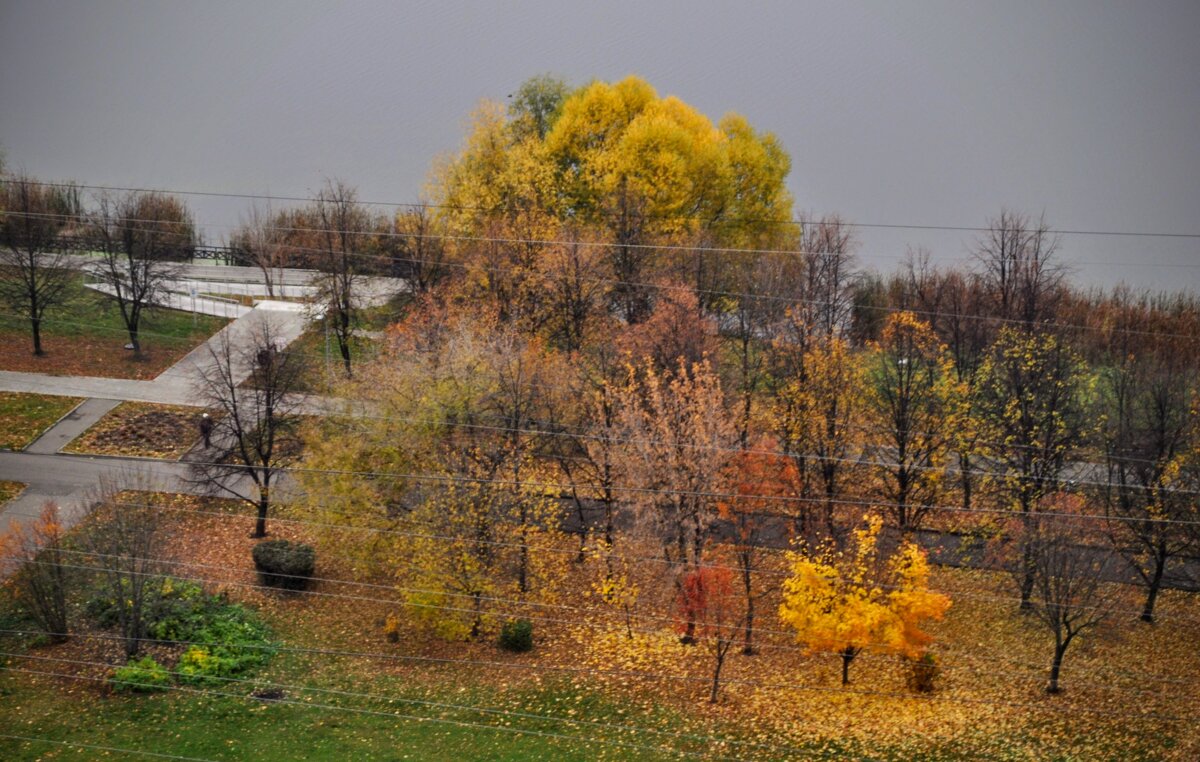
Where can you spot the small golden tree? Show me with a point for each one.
(861, 599)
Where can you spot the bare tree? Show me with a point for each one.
(628, 226)
(1071, 591)
(142, 238)
(419, 249)
(1021, 276)
(910, 406)
(574, 283)
(33, 554)
(126, 541)
(827, 250)
(259, 241)
(34, 271)
(678, 444)
(1150, 430)
(251, 392)
(342, 231)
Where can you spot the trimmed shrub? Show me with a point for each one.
(284, 564)
(143, 675)
(517, 635)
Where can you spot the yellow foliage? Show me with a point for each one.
(854, 600)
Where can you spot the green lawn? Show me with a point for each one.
(85, 335)
(24, 416)
(315, 726)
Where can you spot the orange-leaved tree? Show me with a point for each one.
(763, 478)
(33, 555)
(709, 612)
(861, 598)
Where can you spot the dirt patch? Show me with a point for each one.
(141, 429)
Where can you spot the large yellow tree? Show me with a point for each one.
(861, 598)
(639, 168)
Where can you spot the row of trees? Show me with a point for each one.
(132, 245)
(614, 329)
(129, 244)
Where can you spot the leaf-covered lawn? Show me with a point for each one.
(1128, 695)
(23, 417)
(9, 490)
(84, 336)
(141, 429)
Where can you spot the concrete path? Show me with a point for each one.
(175, 385)
(184, 302)
(66, 480)
(71, 425)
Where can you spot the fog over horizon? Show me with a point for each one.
(923, 114)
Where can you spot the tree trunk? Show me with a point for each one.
(36, 325)
(134, 342)
(264, 503)
(1056, 667)
(722, 649)
(848, 654)
(964, 469)
(1155, 583)
(344, 347)
(523, 569)
(748, 645)
(477, 623)
(1027, 569)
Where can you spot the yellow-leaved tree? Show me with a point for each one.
(861, 598)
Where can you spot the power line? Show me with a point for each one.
(582, 611)
(699, 493)
(745, 220)
(393, 257)
(97, 747)
(396, 715)
(636, 674)
(719, 740)
(539, 548)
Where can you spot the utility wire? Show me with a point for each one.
(472, 708)
(787, 648)
(97, 747)
(541, 548)
(660, 286)
(396, 715)
(935, 697)
(746, 220)
(610, 612)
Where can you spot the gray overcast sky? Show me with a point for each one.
(918, 113)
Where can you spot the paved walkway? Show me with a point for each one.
(67, 479)
(175, 385)
(72, 425)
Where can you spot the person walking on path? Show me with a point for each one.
(206, 428)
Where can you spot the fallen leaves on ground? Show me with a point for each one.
(141, 429)
(23, 417)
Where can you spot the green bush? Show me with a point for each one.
(227, 640)
(284, 564)
(517, 635)
(143, 675)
